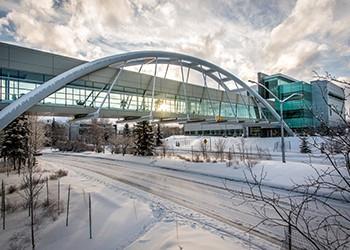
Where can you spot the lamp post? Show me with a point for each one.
(281, 114)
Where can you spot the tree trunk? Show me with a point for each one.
(19, 167)
(3, 206)
(31, 207)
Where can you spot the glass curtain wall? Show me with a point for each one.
(296, 111)
(14, 84)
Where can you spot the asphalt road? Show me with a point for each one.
(210, 196)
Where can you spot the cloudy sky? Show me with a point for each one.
(243, 36)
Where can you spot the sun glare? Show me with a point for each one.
(164, 107)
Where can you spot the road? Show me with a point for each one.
(206, 195)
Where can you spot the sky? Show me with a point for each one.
(242, 36)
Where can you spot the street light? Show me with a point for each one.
(281, 114)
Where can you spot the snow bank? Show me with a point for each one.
(297, 169)
(164, 236)
(272, 144)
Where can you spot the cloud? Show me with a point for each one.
(308, 38)
(242, 36)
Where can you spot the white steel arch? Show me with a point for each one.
(218, 74)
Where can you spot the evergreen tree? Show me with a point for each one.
(304, 146)
(96, 132)
(53, 134)
(58, 135)
(16, 138)
(158, 136)
(144, 136)
(126, 130)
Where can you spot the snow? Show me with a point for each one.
(177, 181)
(272, 144)
(281, 175)
(168, 204)
(115, 221)
(188, 237)
(122, 218)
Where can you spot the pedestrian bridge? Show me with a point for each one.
(130, 86)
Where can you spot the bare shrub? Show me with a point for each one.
(50, 209)
(242, 150)
(61, 173)
(229, 158)
(11, 189)
(58, 174)
(12, 205)
(36, 181)
(183, 158)
(219, 147)
(197, 158)
(53, 177)
(263, 153)
(74, 146)
(19, 241)
(164, 150)
(121, 144)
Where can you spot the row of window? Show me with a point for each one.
(228, 132)
(12, 89)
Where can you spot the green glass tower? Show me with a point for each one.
(297, 111)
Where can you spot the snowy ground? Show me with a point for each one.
(270, 144)
(280, 175)
(185, 189)
(156, 203)
(123, 218)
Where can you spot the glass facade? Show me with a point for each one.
(14, 84)
(297, 111)
(273, 83)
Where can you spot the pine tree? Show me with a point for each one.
(144, 136)
(57, 134)
(126, 130)
(96, 132)
(15, 146)
(304, 146)
(158, 136)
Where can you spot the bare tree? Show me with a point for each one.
(126, 143)
(115, 144)
(96, 133)
(32, 181)
(37, 134)
(219, 147)
(242, 149)
(327, 191)
(204, 149)
(121, 144)
(33, 184)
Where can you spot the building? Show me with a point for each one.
(309, 111)
(328, 104)
(44, 83)
(23, 69)
(135, 95)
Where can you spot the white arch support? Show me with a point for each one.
(21, 105)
